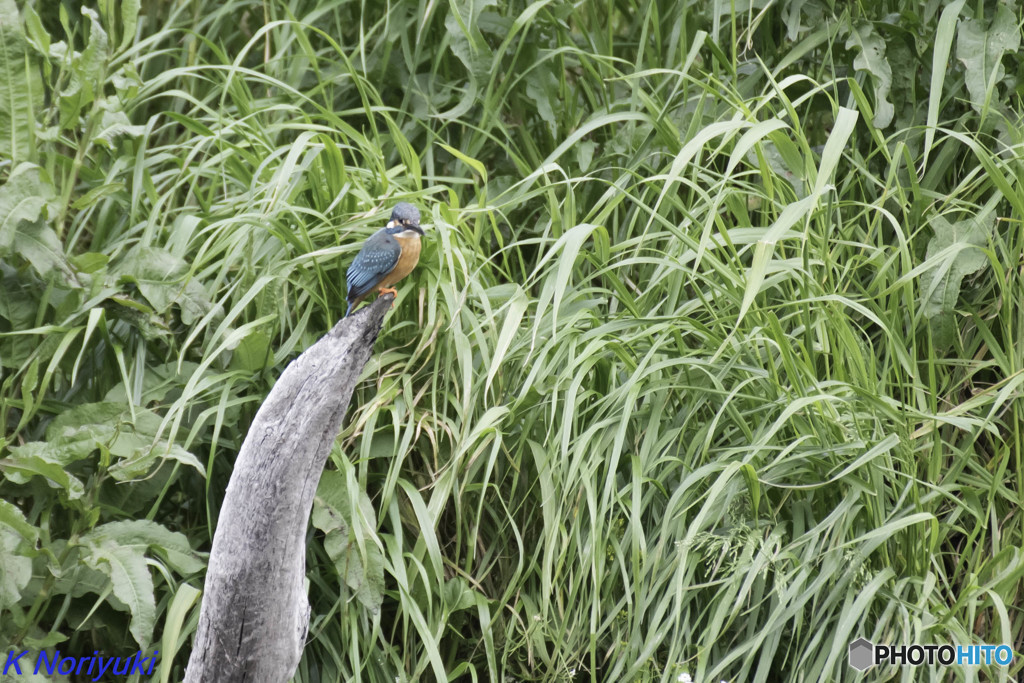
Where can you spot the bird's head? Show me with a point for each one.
(404, 218)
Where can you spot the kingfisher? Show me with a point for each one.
(387, 256)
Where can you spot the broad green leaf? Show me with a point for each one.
(585, 155)
(129, 20)
(130, 436)
(126, 82)
(35, 33)
(332, 510)
(542, 88)
(86, 71)
(93, 61)
(34, 459)
(26, 197)
(19, 310)
(74, 578)
(458, 595)
(38, 244)
(252, 353)
(954, 252)
(871, 58)
(145, 455)
(86, 414)
(130, 580)
(91, 261)
(27, 200)
(981, 50)
(159, 380)
(21, 88)
(16, 536)
(15, 567)
(467, 43)
(120, 549)
(164, 279)
(80, 445)
(148, 536)
(13, 519)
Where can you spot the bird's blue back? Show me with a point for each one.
(376, 259)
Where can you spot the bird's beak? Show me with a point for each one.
(417, 229)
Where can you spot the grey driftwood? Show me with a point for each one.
(255, 614)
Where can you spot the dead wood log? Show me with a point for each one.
(255, 614)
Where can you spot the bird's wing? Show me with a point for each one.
(376, 259)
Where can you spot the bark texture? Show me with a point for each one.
(255, 614)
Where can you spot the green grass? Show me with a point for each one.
(707, 367)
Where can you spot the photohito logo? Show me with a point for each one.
(864, 654)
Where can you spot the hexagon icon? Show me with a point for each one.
(862, 654)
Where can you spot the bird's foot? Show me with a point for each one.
(388, 290)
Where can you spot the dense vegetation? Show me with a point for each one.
(712, 363)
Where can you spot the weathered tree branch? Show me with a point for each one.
(255, 614)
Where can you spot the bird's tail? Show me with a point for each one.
(351, 303)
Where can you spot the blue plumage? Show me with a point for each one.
(381, 253)
(376, 259)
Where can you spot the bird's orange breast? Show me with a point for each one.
(406, 262)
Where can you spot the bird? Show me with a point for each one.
(387, 256)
